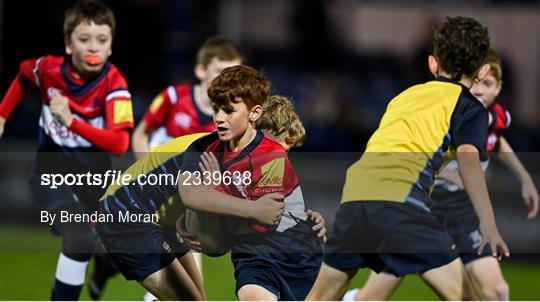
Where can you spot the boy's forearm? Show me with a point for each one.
(475, 183)
(207, 199)
(116, 142)
(14, 95)
(510, 159)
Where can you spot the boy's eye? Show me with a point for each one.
(103, 41)
(83, 40)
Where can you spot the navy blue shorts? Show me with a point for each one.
(286, 263)
(455, 211)
(139, 250)
(285, 288)
(398, 238)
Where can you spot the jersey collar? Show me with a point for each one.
(244, 152)
(79, 89)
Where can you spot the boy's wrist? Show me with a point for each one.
(250, 210)
(69, 121)
(526, 179)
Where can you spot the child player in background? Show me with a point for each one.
(185, 108)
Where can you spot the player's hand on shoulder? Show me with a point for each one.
(268, 209)
(530, 196)
(320, 224)
(491, 236)
(59, 106)
(2, 123)
(190, 239)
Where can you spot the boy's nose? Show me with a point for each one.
(219, 116)
(93, 46)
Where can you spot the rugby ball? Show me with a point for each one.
(210, 230)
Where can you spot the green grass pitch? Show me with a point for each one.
(28, 257)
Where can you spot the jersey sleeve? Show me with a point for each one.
(504, 119)
(118, 105)
(27, 78)
(160, 108)
(470, 125)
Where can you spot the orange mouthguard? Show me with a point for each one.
(92, 59)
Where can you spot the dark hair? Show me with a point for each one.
(217, 47)
(237, 84)
(461, 46)
(88, 11)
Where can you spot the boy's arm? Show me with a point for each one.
(155, 117)
(205, 198)
(140, 138)
(114, 141)
(23, 82)
(528, 189)
(475, 184)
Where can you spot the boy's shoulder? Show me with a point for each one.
(47, 62)
(181, 143)
(269, 144)
(52, 60)
(178, 93)
(114, 73)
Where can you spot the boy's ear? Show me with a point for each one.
(256, 113)
(482, 72)
(200, 71)
(433, 65)
(68, 47)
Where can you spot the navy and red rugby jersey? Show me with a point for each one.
(265, 162)
(103, 102)
(174, 113)
(499, 122)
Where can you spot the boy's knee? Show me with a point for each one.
(371, 295)
(496, 291)
(252, 292)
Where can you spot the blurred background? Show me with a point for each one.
(340, 61)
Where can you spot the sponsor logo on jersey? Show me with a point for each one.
(183, 120)
(272, 173)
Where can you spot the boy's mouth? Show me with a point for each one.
(92, 60)
(222, 130)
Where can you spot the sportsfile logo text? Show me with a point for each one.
(110, 177)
